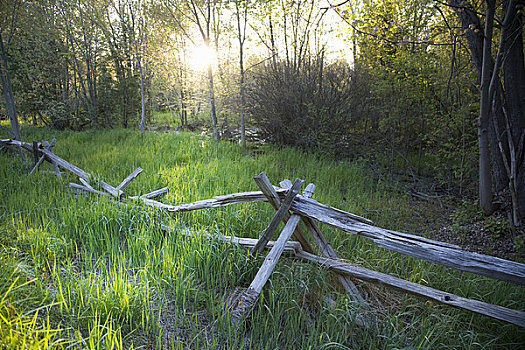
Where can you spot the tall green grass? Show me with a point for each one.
(96, 274)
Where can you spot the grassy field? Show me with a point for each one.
(83, 272)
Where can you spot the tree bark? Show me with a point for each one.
(212, 102)
(142, 99)
(241, 35)
(514, 80)
(8, 92)
(473, 27)
(204, 29)
(507, 129)
(485, 186)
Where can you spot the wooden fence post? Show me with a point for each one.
(273, 198)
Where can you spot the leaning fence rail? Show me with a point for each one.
(292, 208)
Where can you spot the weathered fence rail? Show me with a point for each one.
(292, 208)
(295, 250)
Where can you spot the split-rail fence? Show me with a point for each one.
(310, 244)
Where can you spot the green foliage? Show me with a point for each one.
(467, 212)
(421, 105)
(519, 243)
(20, 326)
(497, 227)
(321, 110)
(108, 277)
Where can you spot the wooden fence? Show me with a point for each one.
(310, 243)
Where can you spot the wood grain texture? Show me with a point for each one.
(125, 183)
(498, 312)
(221, 201)
(266, 187)
(328, 251)
(248, 298)
(341, 267)
(412, 245)
(278, 217)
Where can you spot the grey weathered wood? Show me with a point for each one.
(49, 147)
(85, 183)
(311, 205)
(220, 201)
(54, 159)
(437, 252)
(35, 151)
(37, 165)
(328, 251)
(75, 186)
(266, 187)
(278, 217)
(15, 144)
(419, 247)
(341, 267)
(498, 312)
(248, 298)
(43, 157)
(125, 183)
(275, 253)
(285, 183)
(156, 193)
(114, 192)
(155, 204)
(65, 164)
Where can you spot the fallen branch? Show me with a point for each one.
(154, 194)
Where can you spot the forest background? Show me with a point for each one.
(428, 90)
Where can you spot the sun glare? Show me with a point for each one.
(200, 57)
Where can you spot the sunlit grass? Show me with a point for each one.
(106, 276)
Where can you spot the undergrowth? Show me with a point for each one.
(83, 272)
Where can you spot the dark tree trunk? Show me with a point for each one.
(507, 128)
(469, 18)
(485, 186)
(8, 92)
(514, 82)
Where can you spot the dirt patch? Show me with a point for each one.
(464, 225)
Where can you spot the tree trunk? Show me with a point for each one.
(469, 19)
(183, 112)
(485, 186)
(8, 92)
(212, 102)
(241, 35)
(243, 126)
(142, 97)
(514, 79)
